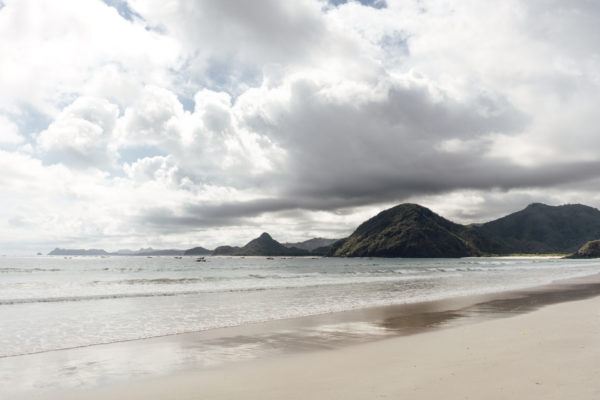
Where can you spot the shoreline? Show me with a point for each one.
(547, 349)
(230, 348)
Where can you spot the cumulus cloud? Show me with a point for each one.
(152, 119)
(198, 121)
(152, 169)
(81, 135)
(9, 133)
(50, 51)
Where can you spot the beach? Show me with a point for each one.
(167, 328)
(299, 200)
(539, 343)
(550, 353)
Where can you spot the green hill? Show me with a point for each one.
(226, 251)
(540, 228)
(312, 244)
(588, 250)
(264, 245)
(409, 230)
(197, 251)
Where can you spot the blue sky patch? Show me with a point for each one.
(123, 9)
(370, 3)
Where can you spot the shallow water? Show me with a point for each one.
(50, 303)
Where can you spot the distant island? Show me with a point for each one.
(411, 230)
(264, 245)
(100, 252)
(78, 252)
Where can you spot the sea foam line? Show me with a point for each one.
(58, 299)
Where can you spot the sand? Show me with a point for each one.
(550, 353)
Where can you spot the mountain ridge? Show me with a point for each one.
(411, 230)
(264, 245)
(406, 230)
(540, 228)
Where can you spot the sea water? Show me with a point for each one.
(53, 303)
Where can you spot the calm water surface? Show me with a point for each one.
(50, 303)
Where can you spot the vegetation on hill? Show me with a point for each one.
(540, 228)
(588, 250)
(197, 251)
(264, 245)
(408, 230)
(312, 244)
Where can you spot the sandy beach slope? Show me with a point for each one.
(552, 353)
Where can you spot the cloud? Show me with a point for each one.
(81, 134)
(227, 44)
(152, 119)
(50, 51)
(163, 123)
(152, 169)
(9, 133)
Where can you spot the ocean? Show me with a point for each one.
(53, 303)
(75, 323)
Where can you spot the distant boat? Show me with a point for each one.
(270, 258)
(178, 257)
(200, 259)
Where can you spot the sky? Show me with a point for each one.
(173, 124)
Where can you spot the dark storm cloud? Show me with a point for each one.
(391, 148)
(345, 148)
(213, 215)
(235, 212)
(364, 191)
(344, 154)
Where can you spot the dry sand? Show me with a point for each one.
(552, 353)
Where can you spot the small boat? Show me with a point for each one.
(200, 259)
(270, 258)
(178, 257)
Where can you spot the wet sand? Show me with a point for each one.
(551, 353)
(388, 351)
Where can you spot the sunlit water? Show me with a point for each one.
(50, 303)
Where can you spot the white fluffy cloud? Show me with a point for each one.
(52, 52)
(9, 133)
(81, 134)
(205, 122)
